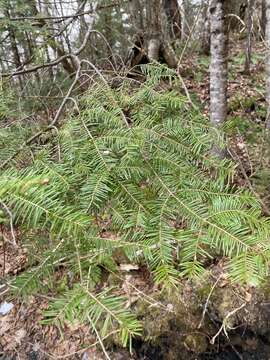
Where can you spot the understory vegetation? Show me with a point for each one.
(130, 179)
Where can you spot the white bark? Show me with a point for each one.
(218, 65)
(182, 7)
(153, 49)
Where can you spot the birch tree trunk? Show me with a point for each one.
(218, 65)
(267, 65)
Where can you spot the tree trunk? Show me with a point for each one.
(218, 65)
(154, 41)
(267, 40)
(155, 29)
(184, 23)
(174, 18)
(14, 48)
(205, 34)
(58, 47)
(136, 14)
(263, 19)
(250, 9)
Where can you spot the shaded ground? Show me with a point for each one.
(207, 320)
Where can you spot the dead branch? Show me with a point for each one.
(56, 61)
(63, 17)
(50, 126)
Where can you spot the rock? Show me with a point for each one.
(5, 308)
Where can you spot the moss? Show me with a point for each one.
(245, 103)
(114, 280)
(196, 343)
(204, 291)
(245, 126)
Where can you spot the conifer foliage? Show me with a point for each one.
(134, 172)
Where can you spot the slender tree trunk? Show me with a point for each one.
(174, 18)
(218, 65)
(263, 19)
(50, 70)
(158, 42)
(14, 48)
(205, 34)
(155, 26)
(58, 47)
(267, 40)
(184, 24)
(250, 9)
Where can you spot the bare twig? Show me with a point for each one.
(60, 18)
(50, 126)
(99, 339)
(10, 221)
(108, 86)
(207, 301)
(185, 89)
(56, 61)
(67, 97)
(225, 325)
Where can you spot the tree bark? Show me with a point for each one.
(263, 19)
(205, 34)
(136, 14)
(184, 24)
(267, 65)
(14, 47)
(250, 8)
(155, 29)
(218, 65)
(152, 43)
(174, 18)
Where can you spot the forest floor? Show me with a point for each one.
(210, 320)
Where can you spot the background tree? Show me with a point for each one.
(155, 40)
(205, 30)
(263, 17)
(267, 39)
(219, 62)
(250, 12)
